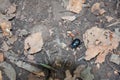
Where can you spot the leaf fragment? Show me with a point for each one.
(33, 43)
(1, 57)
(99, 42)
(6, 27)
(75, 5)
(95, 9)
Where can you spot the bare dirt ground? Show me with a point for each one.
(56, 60)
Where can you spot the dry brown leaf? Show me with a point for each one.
(109, 18)
(95, 6)
(1, 75)
(95, 9)
(101, 57)
(6, 27)
(75, 5)
(99, 42)
(92, 52)
(101, 11)
(70, 34)
(33, 43)
(11, 9)
(1, 57)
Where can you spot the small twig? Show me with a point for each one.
(117, 5)
(115, 23)
(81, 58)
(41, 64)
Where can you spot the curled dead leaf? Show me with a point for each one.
(99, 42)
(95, 9)
(11, 11)
(109, 18)
(6, 27)
(33, 43)
(70, 34)
(75, 5)
(102, 11)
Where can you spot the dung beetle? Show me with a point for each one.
(75, 43)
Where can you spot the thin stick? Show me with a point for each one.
(115, 23)
(41, 64)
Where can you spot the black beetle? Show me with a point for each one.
(75, 43)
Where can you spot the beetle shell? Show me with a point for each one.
(75, 43)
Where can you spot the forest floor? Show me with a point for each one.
(36, 40)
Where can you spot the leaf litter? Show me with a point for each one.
(6, 27)
(96, 9)
(5, 24)
(99, 42)
(75, 5)
(109, 18)
(33, 43)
